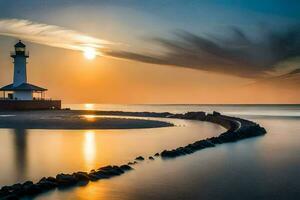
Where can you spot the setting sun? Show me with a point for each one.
(89, 53)
(89, 106)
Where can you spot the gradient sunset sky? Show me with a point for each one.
(157, 51)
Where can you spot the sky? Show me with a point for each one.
(157, 51)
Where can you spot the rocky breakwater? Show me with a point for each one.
(60, 181)
(237, 129)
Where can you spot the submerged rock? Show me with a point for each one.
(151, 158)
(140, 158)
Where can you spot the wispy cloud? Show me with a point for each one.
(288, 80)
(236, 55)
(50, 35)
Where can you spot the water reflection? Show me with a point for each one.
(20, 146)
(32, 154)
(90, 118)
(89, 148)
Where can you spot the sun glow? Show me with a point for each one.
(89, 106)
(89, 53)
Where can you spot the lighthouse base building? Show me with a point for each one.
(21, 95)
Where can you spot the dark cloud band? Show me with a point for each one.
(237, 55)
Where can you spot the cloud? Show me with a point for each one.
(288, 80)
(50, 35)
(236, 55)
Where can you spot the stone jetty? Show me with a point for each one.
(61, 180)
(237, 129)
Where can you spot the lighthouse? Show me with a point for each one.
(20, 60)
(21, 94)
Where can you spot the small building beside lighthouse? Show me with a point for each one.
(20, 94)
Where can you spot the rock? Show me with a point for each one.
(26, 185)
(187, 150)
(93, 176)
(33, 189)
(216, 113)
(157, 154)
(16, 186)
(178, 116)
(206, 143)
(169, 154)
(126, 167)
(109, 171)
(151, 158)
(215, 140)
(65, 180)
(81, 176)
(6, 188)
(108, 167)
(140, 158)
(4, 193)
(51, 179)
(116, 170)
(102, 174)
(10, 191)
(11, 197)
(195, 115)
(44, 184)
(82, 183)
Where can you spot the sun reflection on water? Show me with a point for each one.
(90, 118)
(89, 148)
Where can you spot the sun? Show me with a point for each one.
(89, 53)
(89, 106)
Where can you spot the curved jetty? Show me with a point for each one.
(237, 129)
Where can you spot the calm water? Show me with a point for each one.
(260, 168)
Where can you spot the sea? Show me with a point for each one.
(265, 167)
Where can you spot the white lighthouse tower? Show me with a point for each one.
(20, 56)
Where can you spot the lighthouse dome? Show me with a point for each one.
(20, 44)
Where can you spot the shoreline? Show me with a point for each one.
(237, 129)
(73, 120)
